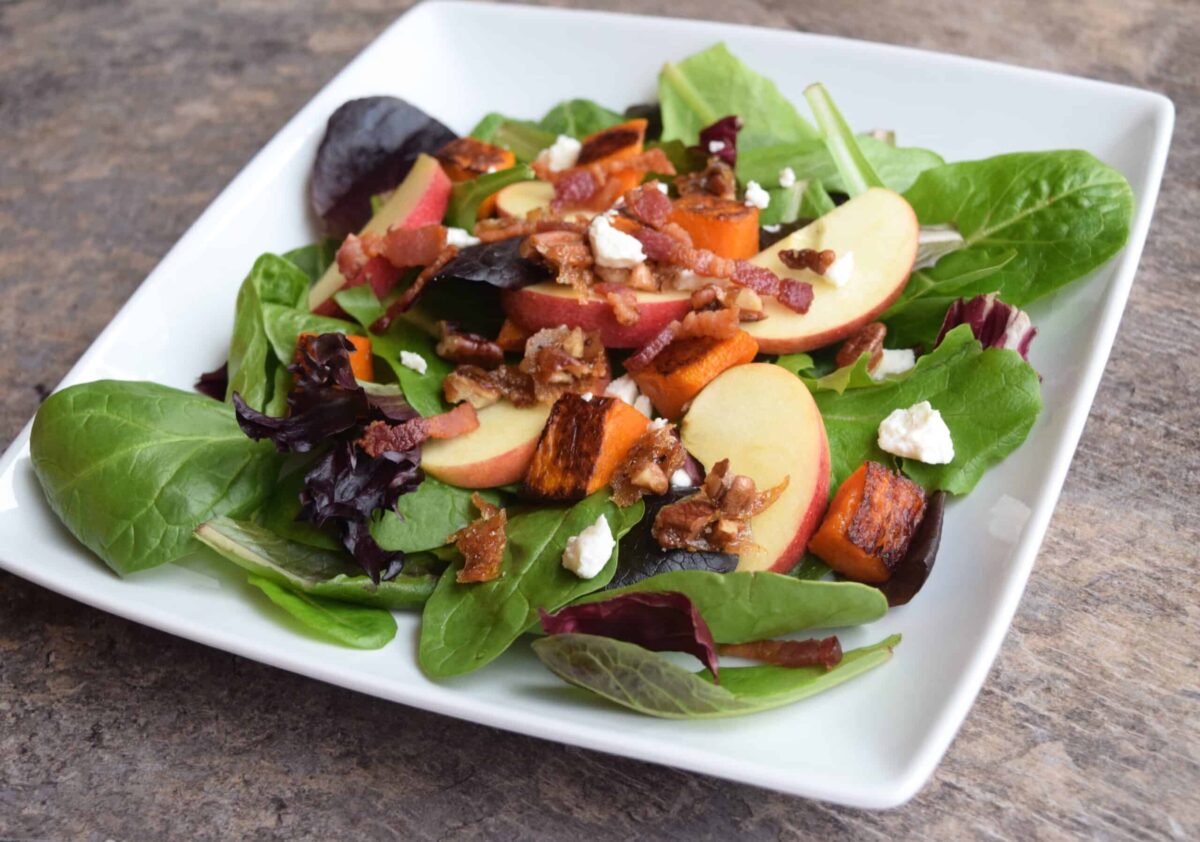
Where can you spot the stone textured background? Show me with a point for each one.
(120, 121)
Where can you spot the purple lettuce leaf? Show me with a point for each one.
(724, 131)
(214, 384)
(497, 264)
(994, 323)
(369, 146)
(665, 621)
(911, 573)
(641, 557)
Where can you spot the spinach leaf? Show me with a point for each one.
(650, 683)
(351, 625)
(1063, 214)
(578, 118)
(853, 376)
(304, 569)
(425, 518)
(466, 626)
(466, 196)
(423, 391)
(133, 468)
(279, 510)
(810, 568)
(897, 166)
(521, 137)
(988, 398)
(712, 84)
(272, 310)
(740, 607)
(313, 259)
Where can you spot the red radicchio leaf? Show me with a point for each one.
(660, 622)
(215, 383)
(723, 132)
(994, 323)
(914, 568)
(825, 653)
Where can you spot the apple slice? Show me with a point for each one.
(497, 452)
(764, 421)
(421, 199)
(520, 199)
(881, 230)
(550, 305)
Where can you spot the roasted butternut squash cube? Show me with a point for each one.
(870, 523)
(723, 226)
(686, 366)
(614, 143)
(581, 446)
(467, 158)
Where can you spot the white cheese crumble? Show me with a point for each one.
(587, 396)
(588, 552)
(893, 362)
(461, 238)
(772, 229)
(787, 177)
(614, 248)
(841, 270)
(680, 479)
(414, 361)
(756, 196)
(658, 423)
(623, 388)
(642, 405)
(562, 155)
(917, 433)
(715, 146)
(662, 188)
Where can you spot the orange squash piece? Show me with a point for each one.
(467, 158)
(723, 226)
(683, 368)
(870, 524)
(615, 143)
(581, 446)
(361, 361)
(511, 337)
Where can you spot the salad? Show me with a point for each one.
(682, 382)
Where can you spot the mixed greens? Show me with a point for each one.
(692, 377)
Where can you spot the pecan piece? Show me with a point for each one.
(811, 259)
(868, 339)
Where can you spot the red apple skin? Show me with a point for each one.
(536, 307)
(794, 552)
(421, 199)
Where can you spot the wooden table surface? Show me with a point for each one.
(122, 120)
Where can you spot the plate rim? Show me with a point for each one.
(916, 769)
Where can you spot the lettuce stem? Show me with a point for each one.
(856, 171)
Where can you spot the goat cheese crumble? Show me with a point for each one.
(893, 362)
(588, 552)
(658, 423)
(623, 388)
(662, 188)
(918, 432)
(414, 361)
(787, 177)
(841, 270)
(715, 146)
(612, 247)
(562, 154)
(680, 479)
(756, 196)
(643, 405)
(772, 229)
(461, 238)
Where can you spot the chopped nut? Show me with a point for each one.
(811, 259)
(868, 339)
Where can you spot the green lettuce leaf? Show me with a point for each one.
(712, 84)
(425, 518)
(357, 626)
(132, 468)
(466, 626)
(466, 196)
(310, 570)
(897, 166)
(988, 398)
(650, 683)
(578, 118)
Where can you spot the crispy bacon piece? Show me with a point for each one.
(714, 324)
(566, 253)
(667, 247)
(504, 228)
(574, 188)
(811, 259)
(482, 543)
(623, 301)
(648, 205)
(379, 274)
(380, 437)
(825, 653)
(460, 346)
(648, 467)
(868, 339)
(562, 359)
(795, 295)
(351, 256)
(588, 185)
(717, 517)
(653, 348)
(406, 247)
(717, 179)
(410, 295)
(758, 278)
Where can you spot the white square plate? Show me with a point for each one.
(870, 743)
